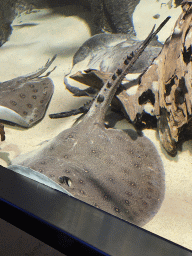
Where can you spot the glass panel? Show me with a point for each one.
(121, 174)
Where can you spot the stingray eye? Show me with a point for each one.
(66, 180)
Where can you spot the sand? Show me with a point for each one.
(49, 33)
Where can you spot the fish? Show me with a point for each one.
(101, 54)
(114, 170)
(24, 100)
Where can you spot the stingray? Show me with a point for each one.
(113, 170)
(24, 100)
(101, 53)
(96, 60)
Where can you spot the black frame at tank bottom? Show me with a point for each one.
(70, 225)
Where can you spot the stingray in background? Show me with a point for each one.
(24, 100)
(106, 168)
(96, 60)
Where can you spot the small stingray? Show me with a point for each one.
(24, 100)
(106, 168)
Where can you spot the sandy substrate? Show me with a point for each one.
(150, 12)
(49, 33)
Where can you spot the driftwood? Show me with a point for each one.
(165, 88)
(163, 92)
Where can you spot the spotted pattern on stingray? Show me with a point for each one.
(134, 194)
(89, 146)
(28, 96)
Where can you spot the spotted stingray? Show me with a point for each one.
(24, 100)
(106, 168)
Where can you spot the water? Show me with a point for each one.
(40, 34)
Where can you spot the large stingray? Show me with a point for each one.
(107, 168)
(24, 100)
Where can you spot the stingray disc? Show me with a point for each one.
(24, 100)
(106, 168)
